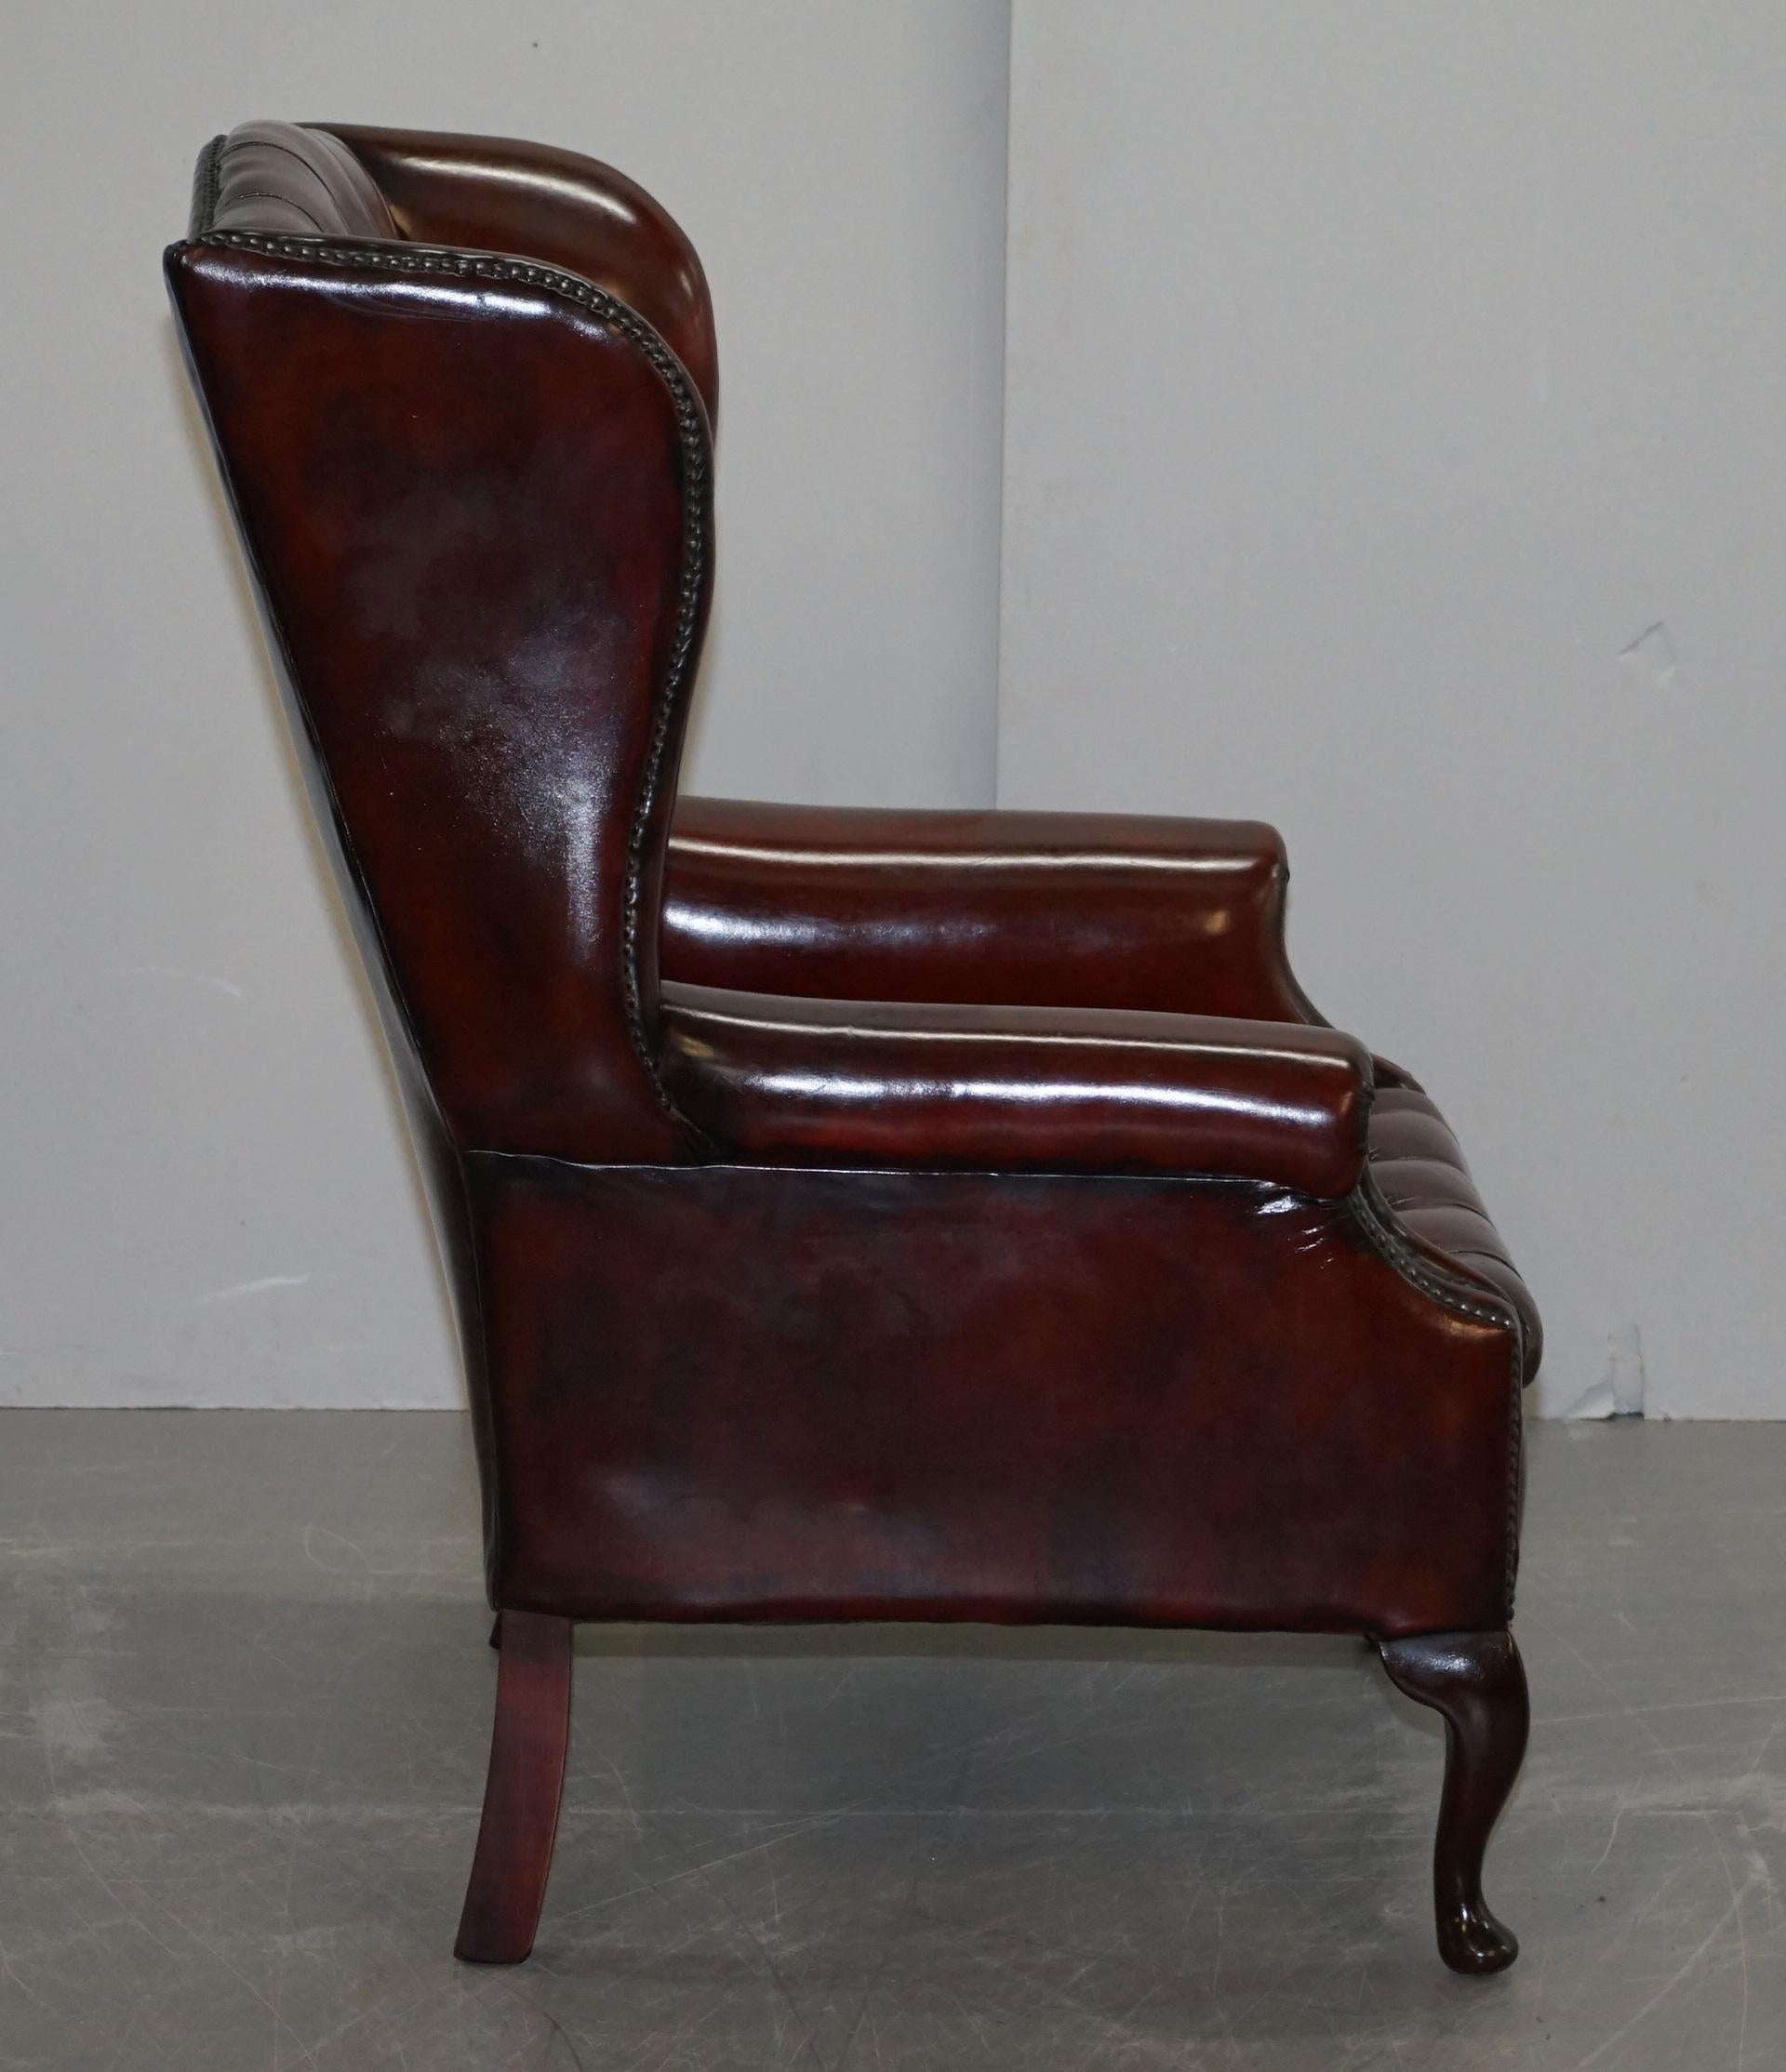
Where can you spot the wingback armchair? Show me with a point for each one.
(851, 1215)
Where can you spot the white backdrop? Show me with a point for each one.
(1396, 449)
(1392, 446)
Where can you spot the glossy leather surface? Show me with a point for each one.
(282, 177)
(1418, 1163)
(480, 528)
(501, 194)
(1040, 910)
(783, 1080)
(731, 1392)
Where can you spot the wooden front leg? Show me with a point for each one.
(1477, 1683)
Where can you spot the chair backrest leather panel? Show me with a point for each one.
(476, 500)
(274, 176)
(501, 194)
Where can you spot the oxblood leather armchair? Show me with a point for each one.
(852, 1214)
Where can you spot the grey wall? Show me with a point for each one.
(1395, 449)
(205, 1195)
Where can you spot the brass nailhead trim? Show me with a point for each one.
(1377, 1220)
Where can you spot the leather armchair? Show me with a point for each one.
(851, 1215)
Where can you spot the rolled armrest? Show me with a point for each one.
(1045, 909)
(775, 1079)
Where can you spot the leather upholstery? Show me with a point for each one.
(482, 540)
(742, 1392)
(788, 1081)
(1040, 910)
(277, 177)
(976, 1222)
(501, 194)
(1419, 1164)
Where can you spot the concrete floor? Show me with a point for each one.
(244, 1695)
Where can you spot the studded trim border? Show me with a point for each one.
(1463, 1298)
(697, 490)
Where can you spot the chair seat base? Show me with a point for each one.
(743, 1392)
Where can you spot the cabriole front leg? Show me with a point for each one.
(1477, 1685)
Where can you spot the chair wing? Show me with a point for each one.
(475, 496)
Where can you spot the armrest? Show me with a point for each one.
(1045, 909)
(783, 1080)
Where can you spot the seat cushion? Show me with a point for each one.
(1420, 1166)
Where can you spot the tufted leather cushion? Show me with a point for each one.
(1420, 1166)
(285, 177)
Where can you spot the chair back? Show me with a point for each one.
(459, 393)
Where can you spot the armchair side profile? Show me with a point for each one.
(851, 1215)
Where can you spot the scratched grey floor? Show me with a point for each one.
(244, 1696)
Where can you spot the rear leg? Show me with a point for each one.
(526, 1779)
